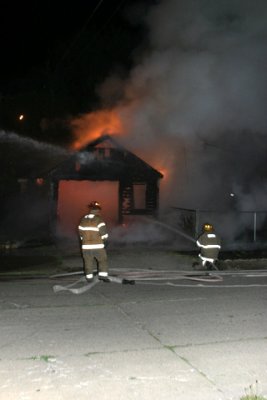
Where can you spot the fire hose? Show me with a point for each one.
(144, 277)
(131, 278)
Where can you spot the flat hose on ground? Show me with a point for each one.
(135, 277)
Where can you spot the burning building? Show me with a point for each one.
(54, 193)
(104, 170)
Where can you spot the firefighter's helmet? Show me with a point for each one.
(207, 227)
(94, 205)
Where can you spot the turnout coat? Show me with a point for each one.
(93, 232)
(209, 244)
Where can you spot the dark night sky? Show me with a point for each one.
(56, 53)
(30, 31)
(34, 34)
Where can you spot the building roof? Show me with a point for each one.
(104, 158)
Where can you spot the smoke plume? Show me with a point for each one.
(194, 107)
(195, 103)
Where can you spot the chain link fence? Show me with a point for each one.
(237, 228)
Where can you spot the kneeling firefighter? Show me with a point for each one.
(93, 235)
(210, 245)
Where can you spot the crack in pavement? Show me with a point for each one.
(168, 347)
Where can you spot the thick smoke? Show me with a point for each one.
(24, 216)
(197, 101)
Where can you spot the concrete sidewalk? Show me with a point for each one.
(145, 341)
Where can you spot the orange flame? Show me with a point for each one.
(93, 125)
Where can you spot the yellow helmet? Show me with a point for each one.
(207, 227)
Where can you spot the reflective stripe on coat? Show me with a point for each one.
(93, 232)
(209, 244)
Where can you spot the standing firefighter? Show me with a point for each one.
(93, 234)
(209, 244)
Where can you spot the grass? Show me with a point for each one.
(44, 357)
(251, 393)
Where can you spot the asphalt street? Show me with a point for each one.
(168, 336)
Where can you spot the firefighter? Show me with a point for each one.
(93, 235)
(210, 245)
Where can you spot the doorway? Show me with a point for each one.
(73, 198)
